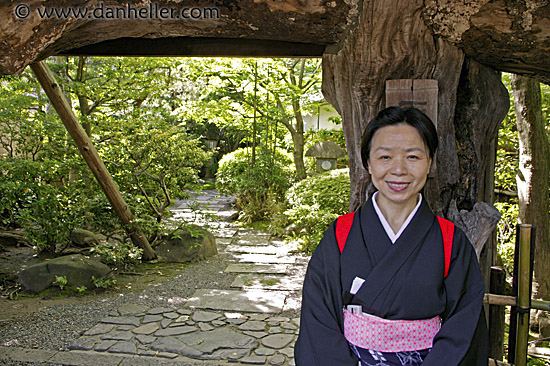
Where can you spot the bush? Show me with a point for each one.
(257, 188)
(118, 254)
(506, 233)
(314, 203)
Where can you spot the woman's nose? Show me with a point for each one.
(399, 167)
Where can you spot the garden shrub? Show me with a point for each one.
(506, 233)
(118, 254)
(257, 188)
(314, 203)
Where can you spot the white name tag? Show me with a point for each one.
(355, 309)
(356, 285)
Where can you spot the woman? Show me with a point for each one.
(387, 295)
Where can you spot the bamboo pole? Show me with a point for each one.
(88, 151)
(524, 294)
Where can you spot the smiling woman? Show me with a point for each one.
(403, 144)
(396, 285)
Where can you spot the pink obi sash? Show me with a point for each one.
(377, 334)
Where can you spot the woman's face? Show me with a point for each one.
(399, 164)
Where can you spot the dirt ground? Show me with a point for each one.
(14, 259)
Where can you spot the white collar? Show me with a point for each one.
(394, 236)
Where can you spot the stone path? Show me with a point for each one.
(247, 325)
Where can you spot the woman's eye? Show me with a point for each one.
(384, 157)
(412, 157)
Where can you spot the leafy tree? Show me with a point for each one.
(126, 111)
(262, 96)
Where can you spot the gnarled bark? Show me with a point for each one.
(472, 102)
(533, 175)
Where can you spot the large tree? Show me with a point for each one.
(262, 96)
(534, 174)
(472, 102)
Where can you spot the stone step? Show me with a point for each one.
(257, 268)
(265, 258)
(268, 282)
(252, 241)
(270, 249)
(254, 301)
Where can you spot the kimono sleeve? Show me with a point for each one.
(321, 341)
(462, 339)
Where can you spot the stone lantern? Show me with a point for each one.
(326, 153)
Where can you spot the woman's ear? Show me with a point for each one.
(431, 168)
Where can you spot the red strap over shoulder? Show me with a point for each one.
(343, 226)
(344, 222)
(447, 229)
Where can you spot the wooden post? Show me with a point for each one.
(88, 151)
(496, 315)
(524, 293)
(418, 93)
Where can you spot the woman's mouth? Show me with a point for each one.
(398, 186)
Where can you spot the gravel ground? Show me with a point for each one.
(54, 327)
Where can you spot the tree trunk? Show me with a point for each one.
(533, 175)
(472, 102)
(298, 139)
(88, 151)
(82, 99)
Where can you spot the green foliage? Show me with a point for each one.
(257, 187)
(506, 233)
(314, 203)
(118, 254)
(507, 161)
(81, 289)
(30, 198)
(46, 187)
(103, 283)
(60, 281)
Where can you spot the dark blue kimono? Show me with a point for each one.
(404, 280)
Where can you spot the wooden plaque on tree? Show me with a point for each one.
(418, 93)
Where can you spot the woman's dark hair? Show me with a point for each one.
(393, 116)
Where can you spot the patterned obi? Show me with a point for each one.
(378, 334)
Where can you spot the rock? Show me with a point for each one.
(152, 318)
(104, 345)
(83, 238)
(253, 325)
(182, 247)
(145, 339)
(210, 344)
(544, 325)
(174, 331)
(254, 360)
(277, 360)
(126, 347)
(77, 268)
(277, 341)
(146, 329)
(99, 329)
(157, 311)
(121, 320)
(233, 217)
(205, 316)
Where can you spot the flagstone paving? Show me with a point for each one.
(243, 325)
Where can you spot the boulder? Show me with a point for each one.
(84, 238)
(182, 247)
(544, 324)
(77, 268)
